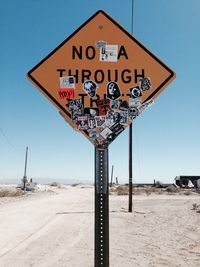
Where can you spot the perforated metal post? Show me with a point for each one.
(101, 208)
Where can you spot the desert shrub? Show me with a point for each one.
(196, 207)
(11, 193)
(187, 193)
(172, 189)
(54, 184)
(122, 190)
(76, 184)
(150, 190)
(112, 190)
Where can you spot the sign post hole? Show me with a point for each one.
(101, 208)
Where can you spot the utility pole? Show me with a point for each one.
(111, 183)
(25, 177)
(130, 206)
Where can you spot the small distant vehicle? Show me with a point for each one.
(185, 180)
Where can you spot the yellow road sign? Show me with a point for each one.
(100, 78)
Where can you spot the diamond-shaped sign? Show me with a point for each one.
(100, 78)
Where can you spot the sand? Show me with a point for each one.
(56, 229)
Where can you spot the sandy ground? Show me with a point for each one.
(56, 229)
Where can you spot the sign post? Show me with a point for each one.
(100, 78)
(130, 202)
(101, 208)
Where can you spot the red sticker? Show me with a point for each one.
(66, 93)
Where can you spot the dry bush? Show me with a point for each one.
(150, 190)
(122, 190)
(187, 193)
(54, 184)
(112, 190)
(196, 207)
(11, 193)
(172, 189)
(76, 184)
(146, 190)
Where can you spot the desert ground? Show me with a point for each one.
(54, 227)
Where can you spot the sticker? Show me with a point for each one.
(113, 91)
(100, 44)
(105, 133)
(76, 108)
(109, 53)
(90, 88)
(145, 105)
(67, 82)
(100, 120)
(134, 102)
(91, 123)
(123, 105)
(76, 113)
(91, 112)
(116, 130)
(101, 142)
(103, 106)
(82, 122)
(133, 112)
(113, 117)
(135, 92)
(66, 93)
(114, 104)
(108, 123)
(93, 134)
(75, 104)
(123, 117)
(145, 84)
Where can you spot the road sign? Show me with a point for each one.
(101, 78)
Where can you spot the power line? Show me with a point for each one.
(7, 139)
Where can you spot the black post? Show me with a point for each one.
(130, 206)
(130, 141)
(101, 208)
(111, 182)
(25, 161)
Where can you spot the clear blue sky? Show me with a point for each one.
(165, 137)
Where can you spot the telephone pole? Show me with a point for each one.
(130, 206)
(25, 177)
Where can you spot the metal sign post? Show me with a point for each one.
(130, 203)
(101, 208)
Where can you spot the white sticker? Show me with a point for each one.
(67, 82)
(109, 53)
(105, 133)
(134, 102)
(146, 105)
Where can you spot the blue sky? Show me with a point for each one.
(165, 137)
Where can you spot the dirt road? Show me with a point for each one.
(56, 229)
